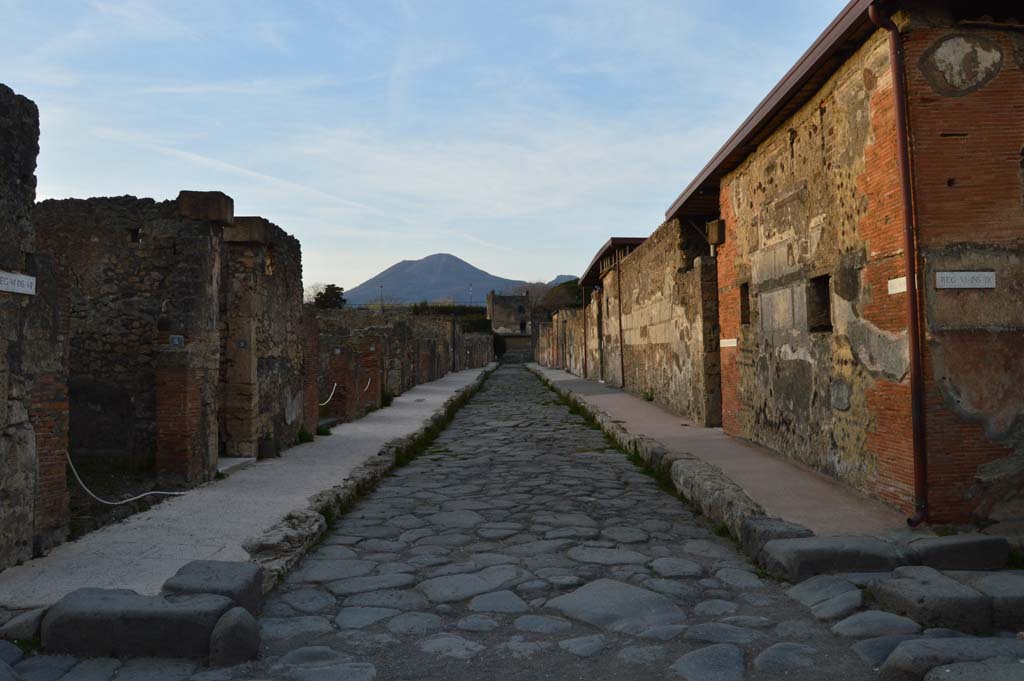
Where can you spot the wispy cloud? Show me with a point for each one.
(517, 135)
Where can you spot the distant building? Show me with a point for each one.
(512, 317)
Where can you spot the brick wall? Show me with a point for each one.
(966, 109)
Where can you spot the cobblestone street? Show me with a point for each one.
(520, 545)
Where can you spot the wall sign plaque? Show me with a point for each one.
(965, 280)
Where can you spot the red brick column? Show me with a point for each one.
(184, 427)
(49, 417)
(311, 371)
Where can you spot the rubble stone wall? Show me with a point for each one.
(33, 355)
(143, 281)
(262, 338)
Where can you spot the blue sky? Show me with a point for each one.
(516, 135)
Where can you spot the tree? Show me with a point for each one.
(331, 297)
(310, 293)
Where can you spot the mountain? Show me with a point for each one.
(561, 279)
(436, 277)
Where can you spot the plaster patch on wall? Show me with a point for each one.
(881, 352)
(293, 408)
(959, 64)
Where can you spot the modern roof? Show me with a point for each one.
(832, 48)
(592, 275)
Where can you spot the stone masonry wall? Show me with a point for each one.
(813, 340)
(367, 353)
(262, 335)
(670, 328)
(143, 281)
(966, 105)
(669, 310)
(510, 315)
(33, 356)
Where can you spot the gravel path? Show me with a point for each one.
(522, 545)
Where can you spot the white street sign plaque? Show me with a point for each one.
(965, 280)
(13, 282)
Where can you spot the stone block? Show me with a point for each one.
(911, 660)
(121, 623)
(23, 627)
(801, 558)
(235, 639)
(756, 531)
(960, 552)
(211, 206)
(1006, 589)
(819, 589)
(875, 623)
(240, 581)
(996, 669)
(934, 600)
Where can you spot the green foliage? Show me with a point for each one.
(323, 430)
(566, 294)
(649, 395)
(305, 435)
(386, 398)
(332, 297)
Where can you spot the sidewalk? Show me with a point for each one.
(784, 488)
(212, 522)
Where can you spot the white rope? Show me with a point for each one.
(114, 503)
(324, 404)
(368, 382)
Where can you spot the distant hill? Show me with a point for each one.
(436, 277)
(561, 279)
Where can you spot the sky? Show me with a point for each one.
(518, 136)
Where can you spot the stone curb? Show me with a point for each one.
(702, 484)
(279, 548)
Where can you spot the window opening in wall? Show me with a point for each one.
(744, 303)
(135, 235)
(819, 304)
(522, 327)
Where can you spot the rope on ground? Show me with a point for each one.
(115, 503)
(324, 404)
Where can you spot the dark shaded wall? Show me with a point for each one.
(33, 355)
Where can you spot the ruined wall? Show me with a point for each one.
(261, 312)
(966, 106)
(669, 324)
(33, 355)
(478, 349)
(143, 280)
(567, 325)
(813, 340)
(611, 329)
(510, 315)
(352, 358)
(594, 321)
(545, 352)
(367, 354)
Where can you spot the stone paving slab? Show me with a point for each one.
(146, 549)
